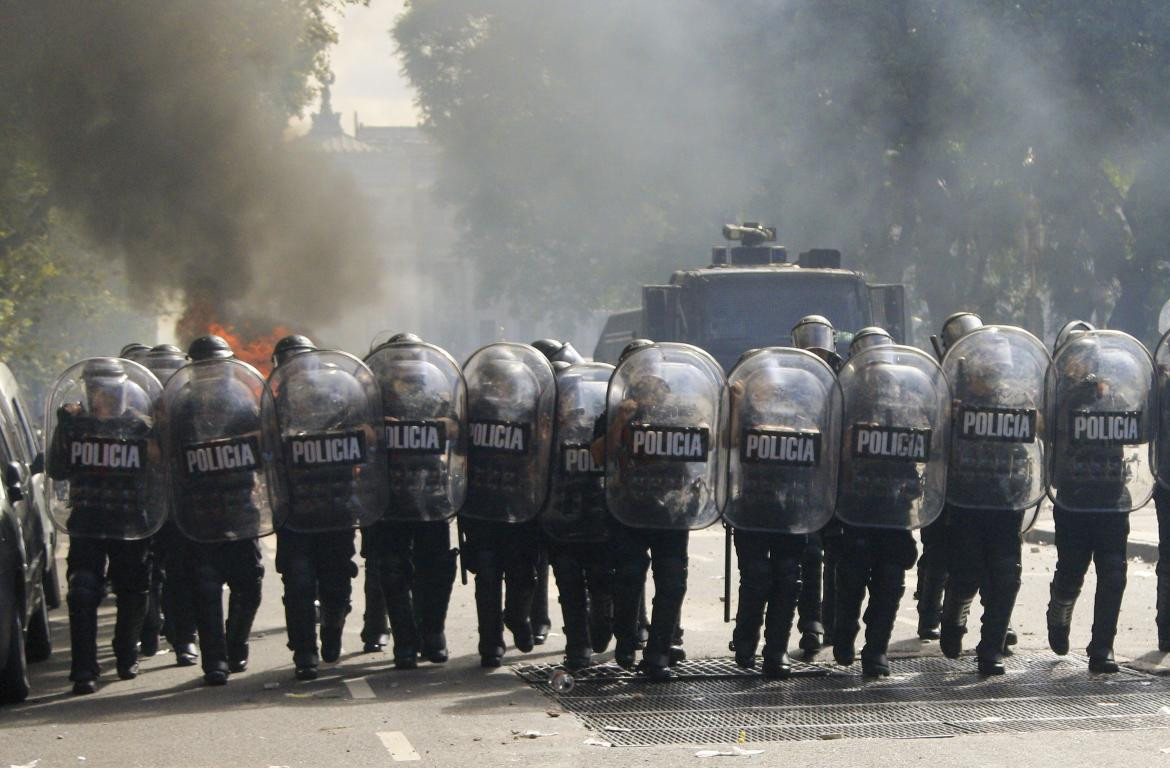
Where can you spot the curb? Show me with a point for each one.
(1142, 550)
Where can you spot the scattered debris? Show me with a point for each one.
(735, 751)
(33, 764)
(531, 734)
(553, 714)
(618, 729)
(596, 743)
(271, 686)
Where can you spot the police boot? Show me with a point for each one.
(397, 575)
(300, 619)
(1163, 616)
(489, 589)
(83, 599)
(850, 593)
(999, 598)
(600, 620)
(643, 621)
(578, 651)
(677, 653)
(670, 588)
(956, 608)
(375, 626)
(242, 607)
(755, 576)
(1059, 616)
(931, 583)
(809, 606)
(518, 614)
(212, 642)
(538, 617)
(127, 631)
(1106, 608)
(829, 588)
(434, 583)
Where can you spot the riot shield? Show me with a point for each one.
(998, 451)
(666, 427)
(1101, 404)
(511, 399)
(106, 478)
(220, 441)
(424, 405)
(896, 433)
(576, 510)
(1161, 460)
(329, 411)
(784, 442)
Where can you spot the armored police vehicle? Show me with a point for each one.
(750, 296)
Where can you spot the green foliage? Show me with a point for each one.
(982, 150)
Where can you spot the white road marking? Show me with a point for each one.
(398, 746)
(359, 688)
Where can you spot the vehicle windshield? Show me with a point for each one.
(750, 311)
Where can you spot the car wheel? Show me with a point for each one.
(39, 645)
(14, 675)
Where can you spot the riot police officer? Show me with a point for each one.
(1162, 495)
(511, 402)
(818, 563)
(785, 418)
(329, 411)
(217, 435)
(135, 352)
(575, 519)
(1100, 389)
(171, 594)
(664, 474)
(103, 449)
(424, 409)
(996, 472)
(892, 478)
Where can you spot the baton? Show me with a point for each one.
(938, 350)
(462, 539)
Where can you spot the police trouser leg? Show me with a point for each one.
(541, 623)
(785, 590)
(599, 575)
(966, 556)
(375, 622)
(932, 578)
(209, 581)
(887, 584)
(86, 569)
(1162, 618)
(489, 598)
(569, 571)
(852, 577)
(1109, 558)
(631, 561)
(129, 574)
(397, 568)
(1074, 552)
(811, 562)
(434, 579)
(755, 582)
(333, 554)
(152, 622)
(244, 576)
(519, 559)
(1003, 571)
(300, 592)
(832, 548)
(178, 593)
(668, 551)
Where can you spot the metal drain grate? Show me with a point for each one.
(713, 701)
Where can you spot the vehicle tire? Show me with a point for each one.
(39, 644)
(14, 674)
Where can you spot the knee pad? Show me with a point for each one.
(1006, 574)
(670, 578)
(1111, 570)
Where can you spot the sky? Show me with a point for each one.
(366, 69)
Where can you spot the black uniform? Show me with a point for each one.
(416, 566)
(1162, 619)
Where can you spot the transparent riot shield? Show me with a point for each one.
(1161, 459)
(576, 510)
(1101, 405)
(896, 432)
(220, 440)
(164, 366)
(511, 399)
(106, 478)
(329, 411)
(424, 405)
(666, 432)
(998, 451)
(784, 442)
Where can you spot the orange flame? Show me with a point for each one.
(256, 352)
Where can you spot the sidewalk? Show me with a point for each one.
(1143, 532)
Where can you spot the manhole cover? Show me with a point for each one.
(713, 701)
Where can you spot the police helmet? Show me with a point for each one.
(548, 347)
(134, 351)
(210, 347)
(957, 326)
(561, 365)
(870, 336)
(814, 332)
(1070, 330)
(633, 347)
(405, 338)
(291, 345)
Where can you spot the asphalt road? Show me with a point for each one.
(362, 712)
